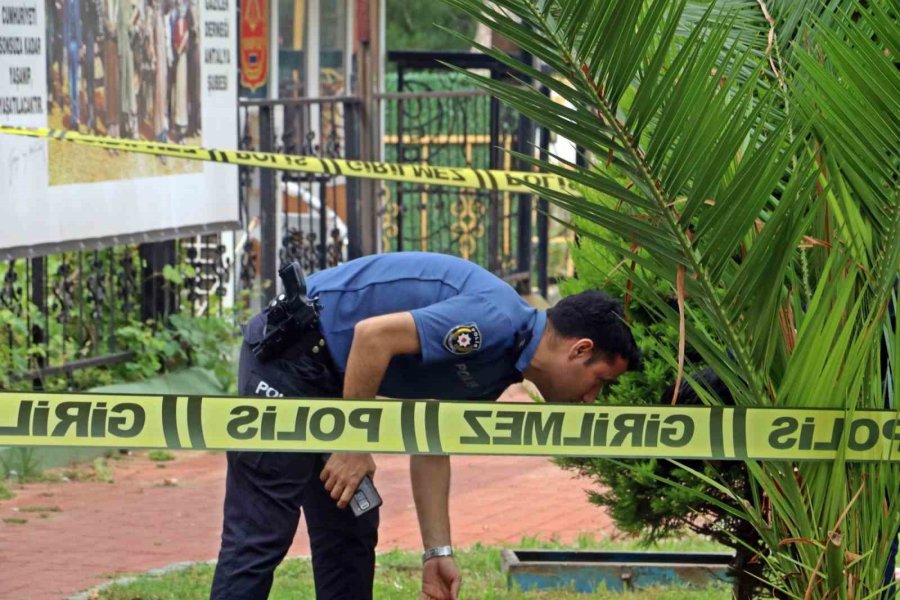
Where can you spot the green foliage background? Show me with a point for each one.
(414, 25)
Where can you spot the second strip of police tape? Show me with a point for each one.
(459, 177)
(446, 427)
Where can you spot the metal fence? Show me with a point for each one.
(65, 311)
(62, 312)
(288, 216)
(435, 116)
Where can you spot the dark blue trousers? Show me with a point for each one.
(264, 494)
(891, 592)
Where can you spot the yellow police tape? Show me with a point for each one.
(446, 427)
(460, 177)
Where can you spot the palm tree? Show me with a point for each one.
(745, 152)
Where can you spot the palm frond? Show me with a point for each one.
(751, 145)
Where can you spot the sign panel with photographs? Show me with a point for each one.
(141, 69)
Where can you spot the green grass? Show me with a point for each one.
(40, 509)
(398, 577)
(160, 455)
(5, 493)
(24, 461)
(103, 471)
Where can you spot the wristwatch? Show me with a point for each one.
(436, 552)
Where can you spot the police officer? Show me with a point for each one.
(402, 325)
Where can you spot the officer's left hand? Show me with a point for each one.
(342, 474)
(440, 579)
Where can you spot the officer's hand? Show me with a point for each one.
(440, 579)
(342, 474)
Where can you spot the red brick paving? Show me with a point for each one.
(138, 522)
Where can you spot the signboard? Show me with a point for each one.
(254, 44)
(144, 69)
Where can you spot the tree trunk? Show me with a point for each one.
(746, 574)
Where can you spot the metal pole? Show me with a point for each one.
(399, 185)
(524, 145)
(543, 222)
(268, 210)
(495, 210)
(352, 150)
(39, 336)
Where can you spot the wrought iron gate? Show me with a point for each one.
(433, 115)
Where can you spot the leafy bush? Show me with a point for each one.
(744, 188)
(185, 341)
(634, 496)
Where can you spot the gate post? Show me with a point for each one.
(157, 296)
(268, 210)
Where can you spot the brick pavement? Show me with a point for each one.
(138, 522)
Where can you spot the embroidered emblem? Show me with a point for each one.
(463, 339)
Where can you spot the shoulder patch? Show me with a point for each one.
(463, 339)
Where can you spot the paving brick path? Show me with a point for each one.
(100, 530)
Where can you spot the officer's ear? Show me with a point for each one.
(581, 349)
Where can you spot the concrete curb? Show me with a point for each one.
(172, 568)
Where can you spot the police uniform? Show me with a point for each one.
(477, 337)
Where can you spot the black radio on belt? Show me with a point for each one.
(288, 316)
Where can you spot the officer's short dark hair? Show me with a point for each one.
(599, 318)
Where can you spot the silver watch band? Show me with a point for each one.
(436, 552)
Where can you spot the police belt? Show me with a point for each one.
(310, 343)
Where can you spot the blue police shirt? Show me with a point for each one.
(477, 334)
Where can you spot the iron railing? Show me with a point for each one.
(289, 216)
(62, 311)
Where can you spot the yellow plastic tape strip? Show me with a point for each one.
(459, 177)
(446, 427)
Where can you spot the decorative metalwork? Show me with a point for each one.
(297, 245)
(389, 211)
(435, 117)
(126, 277)
(249, 258)
(192, 281)
(300, 247)
(336, 247)
(468, 227)
(452, 128)
(63, 292)
(311, 232)
(310, 148)
(96, 287)
(206, 272)
(83, 298)
(11, 292)
(222, 270)
(311, 227)
(331, 130)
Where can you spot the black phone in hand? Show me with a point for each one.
(365, 498)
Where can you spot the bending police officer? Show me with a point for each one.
(402, 325)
